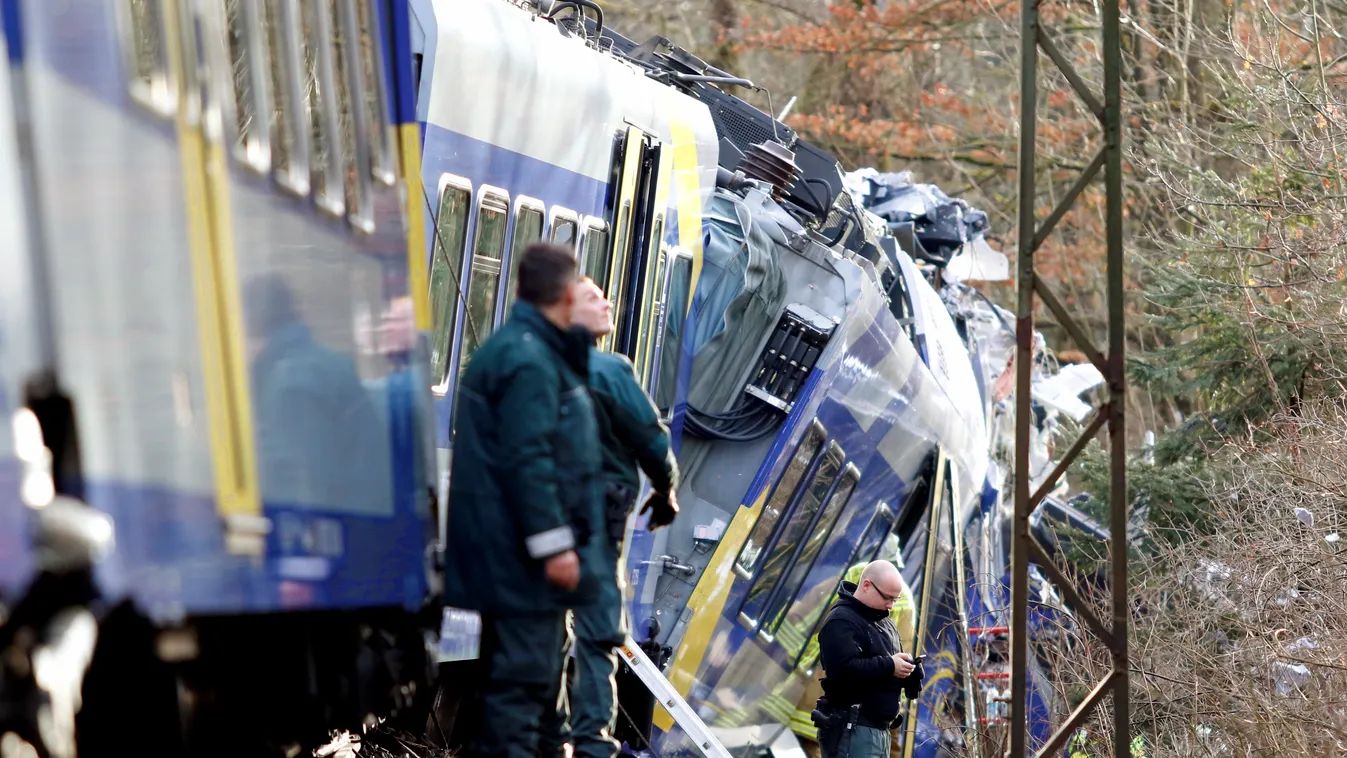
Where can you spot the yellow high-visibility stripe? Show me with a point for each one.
(687, 184)
(709, 596)
(708, 602)
(924, 617)
(409, 135)
(205, 173)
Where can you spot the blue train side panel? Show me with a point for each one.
(113, 198)
(17, 326)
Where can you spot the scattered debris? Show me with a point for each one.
(381, 741)
(1289, 677)
(1305, 516)
(343, 745)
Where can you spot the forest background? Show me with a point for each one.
(1236, 161)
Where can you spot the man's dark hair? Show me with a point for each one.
(545, 271)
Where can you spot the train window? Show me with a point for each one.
(565, 227)
(652, 303)
(615, 261)
(446, 272)
(675, 311)
(320, 106)
(794, 528)
(806, 615)
(781, 497)
(290, 132)
(484, 280)
(348, 91)
(251, 76)
(375, 102)
(145, 55)
(528, 229)
(595, 253)
(788, 595)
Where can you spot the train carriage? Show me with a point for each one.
(530, 134)
(790, 476)
(273, 232)
(874, 443)
(220, 209)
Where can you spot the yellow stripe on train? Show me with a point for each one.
(219, 317)
(409, 137)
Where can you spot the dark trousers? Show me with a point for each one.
(521, 654)
(589, 697)
(863, 742)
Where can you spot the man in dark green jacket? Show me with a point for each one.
(526, 532)
(632, 436)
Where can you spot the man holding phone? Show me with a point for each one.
(864, 668)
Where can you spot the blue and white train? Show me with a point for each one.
(253, 244)
(823, 395)
(207, 253)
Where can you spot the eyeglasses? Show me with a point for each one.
(887, 597)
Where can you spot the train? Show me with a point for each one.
(254, 244)
(214, 285)
(829, 385)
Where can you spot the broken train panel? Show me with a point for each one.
(850, 455)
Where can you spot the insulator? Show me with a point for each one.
(773, 163)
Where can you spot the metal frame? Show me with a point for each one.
(789, 514)
(816, 429)
(848, 470)
(442, 386)
(935, 520)
(1032, 235)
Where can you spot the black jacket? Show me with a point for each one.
(857, 644)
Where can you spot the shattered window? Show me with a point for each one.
(781, 497)
(789, 595)
(794, 530)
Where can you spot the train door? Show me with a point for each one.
(948, 702)
(637, 219)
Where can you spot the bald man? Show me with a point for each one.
(864, 667)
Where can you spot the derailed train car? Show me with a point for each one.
(823, 395)
(222, 175)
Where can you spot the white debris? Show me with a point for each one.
(1305, 516)
(979, 261)
(1062, 392)
(342, 746)
(1289, 677)
(1303, 643)
(1331, 537)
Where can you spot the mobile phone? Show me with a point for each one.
(919, 659)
